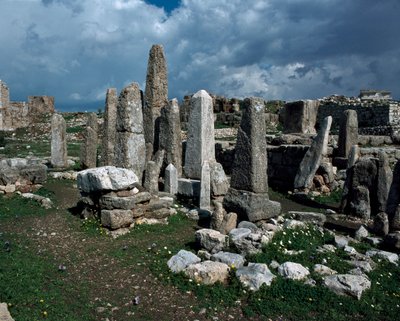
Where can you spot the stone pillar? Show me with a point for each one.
(171, 180)
(58, 141)
(384, 181)
(354, 155)
(170, 135)
(4, 104)
(348, 132)
(89, 147)
(152, 173)
(248, 194)
(312, 159)
(205, 187)
(300, 116)
(200, 145)
(109, 128)
(155, 96)
(130, 149)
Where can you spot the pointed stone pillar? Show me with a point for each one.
(109, 128)
(200, 145)
(348, 132)
(171, 180)
(248, 194)
(155, 96)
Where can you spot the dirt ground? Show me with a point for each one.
(111, 285)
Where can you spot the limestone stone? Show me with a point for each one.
(155, 95)
(300, 116)
(130, 148)
(323, 270)
(4, 313)
(249, 169)
(182, 260)
(170, 135)
(171, 179)
(219, 181)
(254, 276)
(361, 233)
(88, 155)
(250, 206)
(200, 144)
(109, 128)
(151, 177)
(384, 181)
(360, 203)
(245, 241)
(115, 219)
(112, 202)
(312, 159)
(189, 187)
(205, 187)
(347, 284)
(208, 272)
(58, 141)
(142, 197)
(311, 217)
(392, 241)
(222, 221)
(230, 259)
(348, 132)
(211, 240)
(107, 178)
(354, 155)
(293, 271)
(391, 257)
(381, 224)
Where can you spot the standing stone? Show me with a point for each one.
(58, 141)
(384, 181)
(354, 155)
(156, 95)
(109, 129)
(130, 148)
(248, 194)
(200, 146)
(392, 206)
(89, 147)
(300, 116)
(152, 172)
(170, 134)
(348, 132)
(205, 187)
(171, 180)
(312, 159)
(381, 224)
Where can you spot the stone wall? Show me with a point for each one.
(375, 119)
(15, 114)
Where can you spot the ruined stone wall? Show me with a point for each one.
(371, 120)
(18, 114)
(4, 102)
(39, 106)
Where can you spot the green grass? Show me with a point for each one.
(15, 207)
(34, 288)
(334, 197)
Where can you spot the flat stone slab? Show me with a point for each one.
(107, 178)
(391, 257)
(254, 276)
(311, 217)
(189, 187)
(347, 284)
(251, 206)
(115, 219)
(112, 202)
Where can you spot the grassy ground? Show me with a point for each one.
(54, 266)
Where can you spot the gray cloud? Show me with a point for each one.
(283, 49)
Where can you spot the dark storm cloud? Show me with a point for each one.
(287, 49)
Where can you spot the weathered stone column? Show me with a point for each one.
(58, 141)
(248, 194)
(130, 149)
(205, 187)
(314, 155)
(200, 145)
(109, 128)
(89, 146)
(300, 116)
(348, 132)
(170, 135)
(384, 181)
(155, 96)
(171, 180)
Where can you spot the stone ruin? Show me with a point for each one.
(14, 114)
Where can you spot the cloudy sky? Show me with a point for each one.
(277, 49)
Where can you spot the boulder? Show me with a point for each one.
(254, 276)
(4, 314)
(182, 260)
(347, 284)
(231, 259)
(115, 219)
(293, 271)
(391, 257)
(208, 272)
(309, 217)
(323, 270)
(107, 178)
(213, 241)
